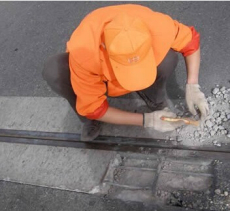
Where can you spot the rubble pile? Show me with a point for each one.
(216, 125)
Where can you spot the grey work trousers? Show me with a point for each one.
(56, 73)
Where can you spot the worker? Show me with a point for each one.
(120, 49)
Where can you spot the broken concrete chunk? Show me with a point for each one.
(223, 132)
(218, 133)
(225, 193)
(212, 120)
(218, 120)
(221, 127)
(228, 116)
(212, 133)
(216, 115)
(209, 123)
(223, 89)
(215, 127)
(217, 191)
(222, 115)
(214, 142)
(225, 119)
(215, 91)
(212, 103)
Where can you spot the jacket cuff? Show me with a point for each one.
(193, 45)
(99, 112)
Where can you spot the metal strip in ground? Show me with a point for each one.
(102, 142)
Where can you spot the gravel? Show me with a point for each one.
(215, 91)
(217, 191)
(215, 127)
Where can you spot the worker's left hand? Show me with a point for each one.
(195, 97)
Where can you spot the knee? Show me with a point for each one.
(168, 65)
(173, 58)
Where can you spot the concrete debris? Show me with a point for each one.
(221, 127)
(225, 193)
(228, 116)
(217, 191)
(212, 133)
(209, 123)
(215, 91)
(223, 89)
(216, 124)
(214, 142)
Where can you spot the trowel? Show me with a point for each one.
(185, 120)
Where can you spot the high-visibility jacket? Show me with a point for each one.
(92, 77)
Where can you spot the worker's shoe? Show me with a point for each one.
(153, 106)
(90, 130)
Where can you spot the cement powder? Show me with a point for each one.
(216, 127)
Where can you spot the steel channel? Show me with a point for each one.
(102, 142)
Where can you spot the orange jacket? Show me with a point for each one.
(91, 74)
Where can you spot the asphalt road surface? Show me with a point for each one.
(32, 31)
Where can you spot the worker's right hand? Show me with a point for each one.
(154, 121)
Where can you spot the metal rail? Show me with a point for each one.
(101, 143)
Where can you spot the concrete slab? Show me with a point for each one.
(72, 169)
(55, 115)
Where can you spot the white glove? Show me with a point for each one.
(154, 121)
(195, 97)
